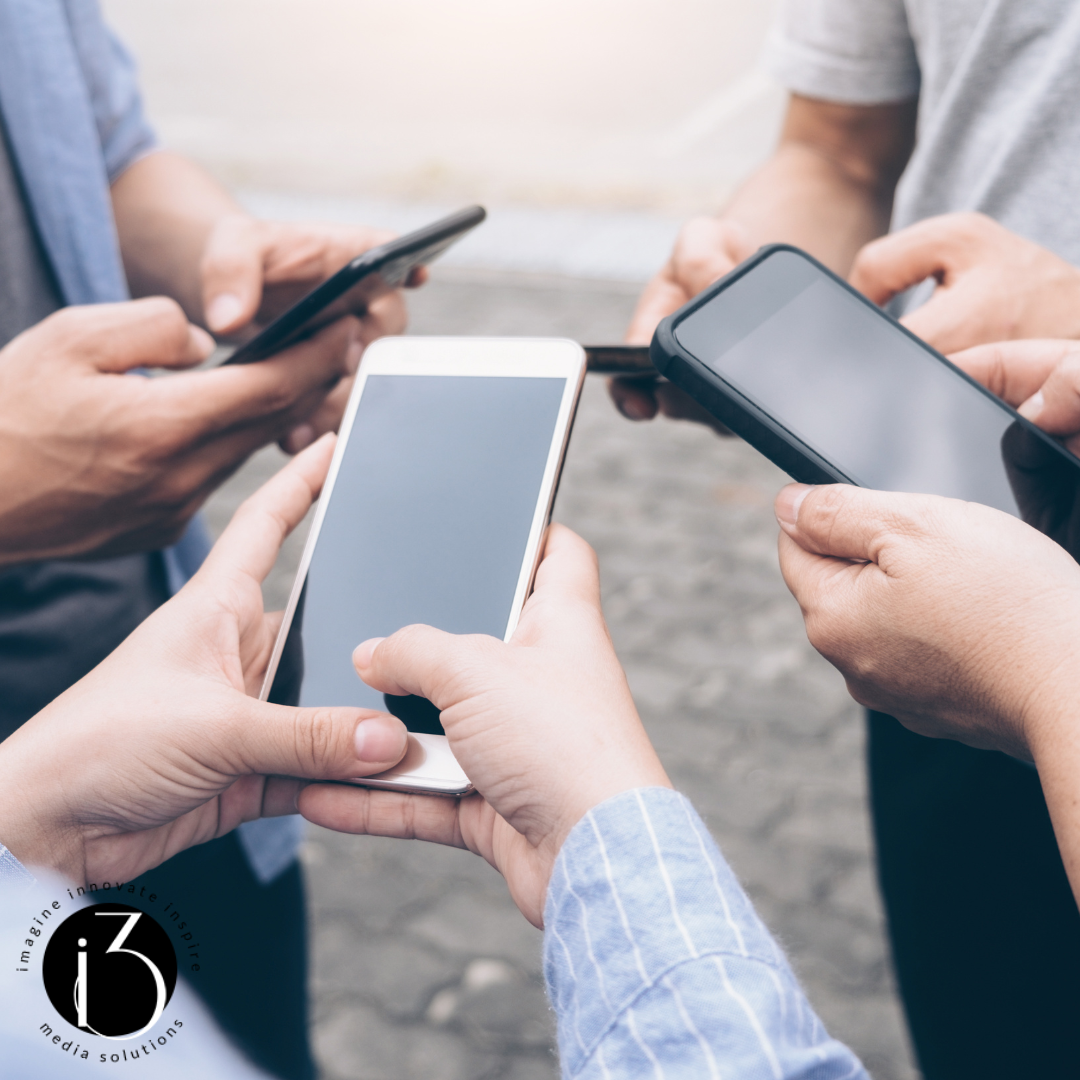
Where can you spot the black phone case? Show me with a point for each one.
(747, 419)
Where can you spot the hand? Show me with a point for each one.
(1042, 380)
(252, 271)
(992, 284)
(163, 746)
(544, 726)
(100, 461)
(1038, 378)
(959, 620)
(707, 249)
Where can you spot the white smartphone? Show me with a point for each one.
(434, 511)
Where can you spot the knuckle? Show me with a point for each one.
(868, 262)
(314, 739)
(827, 502)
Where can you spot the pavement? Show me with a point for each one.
(422, 967)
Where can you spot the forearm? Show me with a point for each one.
(829, 186)
(801, 198)
(165, 207)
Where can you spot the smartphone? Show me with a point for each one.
(373, 274)
(434, 511)
(832, 389)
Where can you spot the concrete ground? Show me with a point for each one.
(423, 969)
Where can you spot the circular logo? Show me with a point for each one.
(110, 970)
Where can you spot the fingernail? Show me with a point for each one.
(1033, 407)
(301, 437)
(363, 652)
(788, 502)
(379, 740)
(223, 311)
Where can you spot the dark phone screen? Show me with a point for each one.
(427, 522)
(871, 401)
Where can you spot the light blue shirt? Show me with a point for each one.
(657, 964)
(70, 99)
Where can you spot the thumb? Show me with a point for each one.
(839, 520)
(116, 338)
(232, 273)
(421, 660)
(315, 743)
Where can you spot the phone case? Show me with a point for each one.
(727, 404)
(752, 423)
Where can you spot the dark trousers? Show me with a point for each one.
(985, 931)
(253, 956)
(58, 620)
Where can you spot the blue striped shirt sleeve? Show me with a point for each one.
(657, 964)
(13, 875)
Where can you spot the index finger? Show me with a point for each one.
(251, 541)
(810, 576)
(893, 263)
(1013, 370)
(382, 813)
(569, 568)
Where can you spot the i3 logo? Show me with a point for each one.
(110, 970)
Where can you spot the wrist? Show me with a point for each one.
(33, 824)
(601, 788)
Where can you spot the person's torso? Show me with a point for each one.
(999, 116)
(58, 619)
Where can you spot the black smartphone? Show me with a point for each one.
(832, 389)
(377, 271)
(624, 360)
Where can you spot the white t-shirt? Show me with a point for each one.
(998, 83)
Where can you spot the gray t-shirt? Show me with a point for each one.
(998, 83)
(28, 292)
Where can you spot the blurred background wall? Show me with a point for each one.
(606, 103)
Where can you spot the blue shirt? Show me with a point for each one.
(657, 964)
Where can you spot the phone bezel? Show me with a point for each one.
(290, 325)
(464, 357)
(748, 419)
